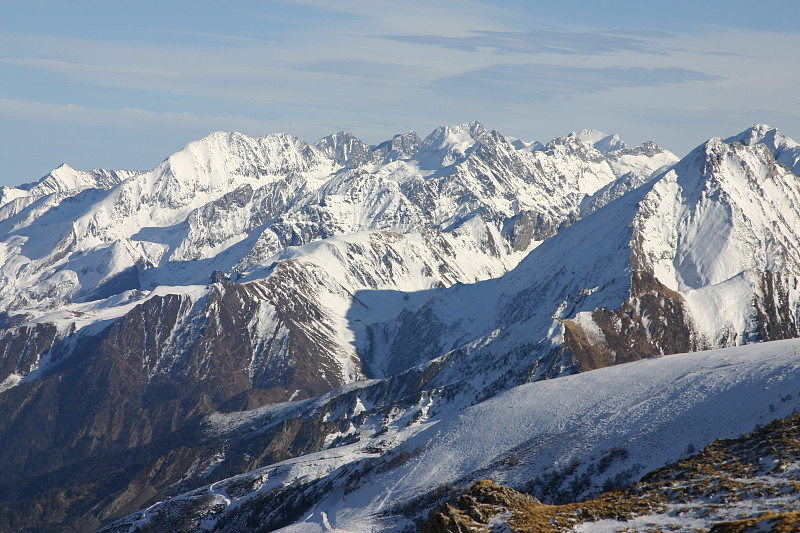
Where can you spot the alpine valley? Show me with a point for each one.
(262, 334)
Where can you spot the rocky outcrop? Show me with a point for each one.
(654, 321)
(776, 311)
(21, 349)
(474, 509)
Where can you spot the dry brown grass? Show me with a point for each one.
(769, 521)
(486, 499)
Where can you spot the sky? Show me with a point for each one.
(122, 85)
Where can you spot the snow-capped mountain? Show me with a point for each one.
(704, 255)
(786, 150)
(251, 300)
(602, 142)
(229, 203)
(59, 184)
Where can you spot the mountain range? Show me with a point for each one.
(264, 333)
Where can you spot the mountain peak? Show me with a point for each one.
(62, 172)
(345, 148)
(785, 149)
(610, 143)
(453, 143)
(736, 210)
(401, 146)
(208, 154)
(601, 141)
(455, 136)
(759, 130)
(64, 178)
(588, 135)
(64, 167)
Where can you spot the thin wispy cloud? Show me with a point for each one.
(356, 68)
(539, 42)
(43, 111)
(95, 137)
(221, 37)
(81, 69)
(538, 82)
(716, 116)
(636, 32)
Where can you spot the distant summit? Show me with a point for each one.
(604, 143)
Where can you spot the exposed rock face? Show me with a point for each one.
(531, 226)
(169, 360)
(654, 321)
(21, 349)
(401, 146)
(347, 150)
(474, 509)
(776, 311)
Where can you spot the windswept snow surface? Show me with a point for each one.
(652, 409)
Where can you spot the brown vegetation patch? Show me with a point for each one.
(474, 511)
(778, 523)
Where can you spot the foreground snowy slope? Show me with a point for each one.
(747, 483)
(560, 440)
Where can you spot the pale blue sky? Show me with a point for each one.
(125, 84)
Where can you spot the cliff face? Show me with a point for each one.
(657, 321)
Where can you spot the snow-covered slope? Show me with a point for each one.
(62, 182)
(724, 209)
(745, 483)
(571, 436)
